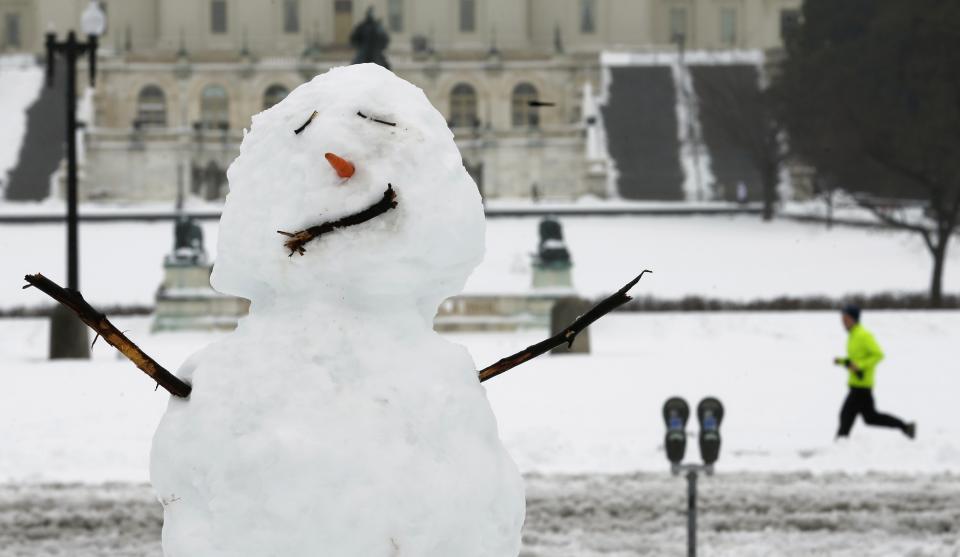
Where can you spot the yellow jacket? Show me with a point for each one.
(864, 352)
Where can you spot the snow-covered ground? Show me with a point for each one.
(21, 79)
(586, 430)
(92, 421)
(732, 257)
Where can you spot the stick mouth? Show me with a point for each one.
(297, 240)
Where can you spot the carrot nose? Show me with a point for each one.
(343, 167)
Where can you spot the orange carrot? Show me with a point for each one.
(343, 167)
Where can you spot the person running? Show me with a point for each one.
(863, 355)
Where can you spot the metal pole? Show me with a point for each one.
(691, 513)
(71, 50)
(68, 335)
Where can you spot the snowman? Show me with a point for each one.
(334, 421)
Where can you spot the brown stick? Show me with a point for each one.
(105, 329)
(299, 239)
(305, 124)
(565, 336)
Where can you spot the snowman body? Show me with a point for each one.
(334, 421)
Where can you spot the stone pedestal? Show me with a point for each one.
(549, 276)
(565, 311)
(68, 335)
(185, 300)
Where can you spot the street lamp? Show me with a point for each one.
(68, 335)
(93, 21)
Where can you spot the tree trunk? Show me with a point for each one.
(939, 257)
(769, 177)
(829, 196)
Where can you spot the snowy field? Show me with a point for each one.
(585, 430)
(92, 421)
(736, 258)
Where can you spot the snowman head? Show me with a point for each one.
(330, 151)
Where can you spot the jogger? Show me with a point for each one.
(863, 355)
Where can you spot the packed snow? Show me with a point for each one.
(21, 78)
(583, 515)
(334, 421)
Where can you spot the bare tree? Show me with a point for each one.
(869, 92)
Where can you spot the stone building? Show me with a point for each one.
(179, 79)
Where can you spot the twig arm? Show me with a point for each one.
(567, 335)
(106, 330)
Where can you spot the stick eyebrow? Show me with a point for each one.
(305, 124)
(377, 120)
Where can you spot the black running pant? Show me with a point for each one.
(860, 401)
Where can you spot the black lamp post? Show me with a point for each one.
(68, 335)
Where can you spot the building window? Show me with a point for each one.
(463, 106)
(151, 107)
(395, 15)
(11, 30)
(468, 16)
(728, 26)
(274, 94)
(789, 23)
(522, 113)
(678, 24)
(588, 16)
(214, 108)
(291, 16)
(342, 21)
(218, 16)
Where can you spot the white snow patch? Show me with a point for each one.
(22, 79)
(736, 257)
(694, 156)
(669, 57)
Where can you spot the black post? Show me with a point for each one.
(691, 513)
(68, 335)
(70, 52)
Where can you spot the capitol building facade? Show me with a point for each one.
(178, 80)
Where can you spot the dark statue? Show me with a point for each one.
(370, 40)
(188, 241)
(552, 251)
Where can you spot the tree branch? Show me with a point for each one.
(105, 329)
(567, 335)
(895, 222)
(893, 166)
(299, 239)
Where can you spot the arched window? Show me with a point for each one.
(468, 16)
(151, 107)
(274, 94)
(214, 108)
(463, 106)
(588, 16)
(522, 113)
